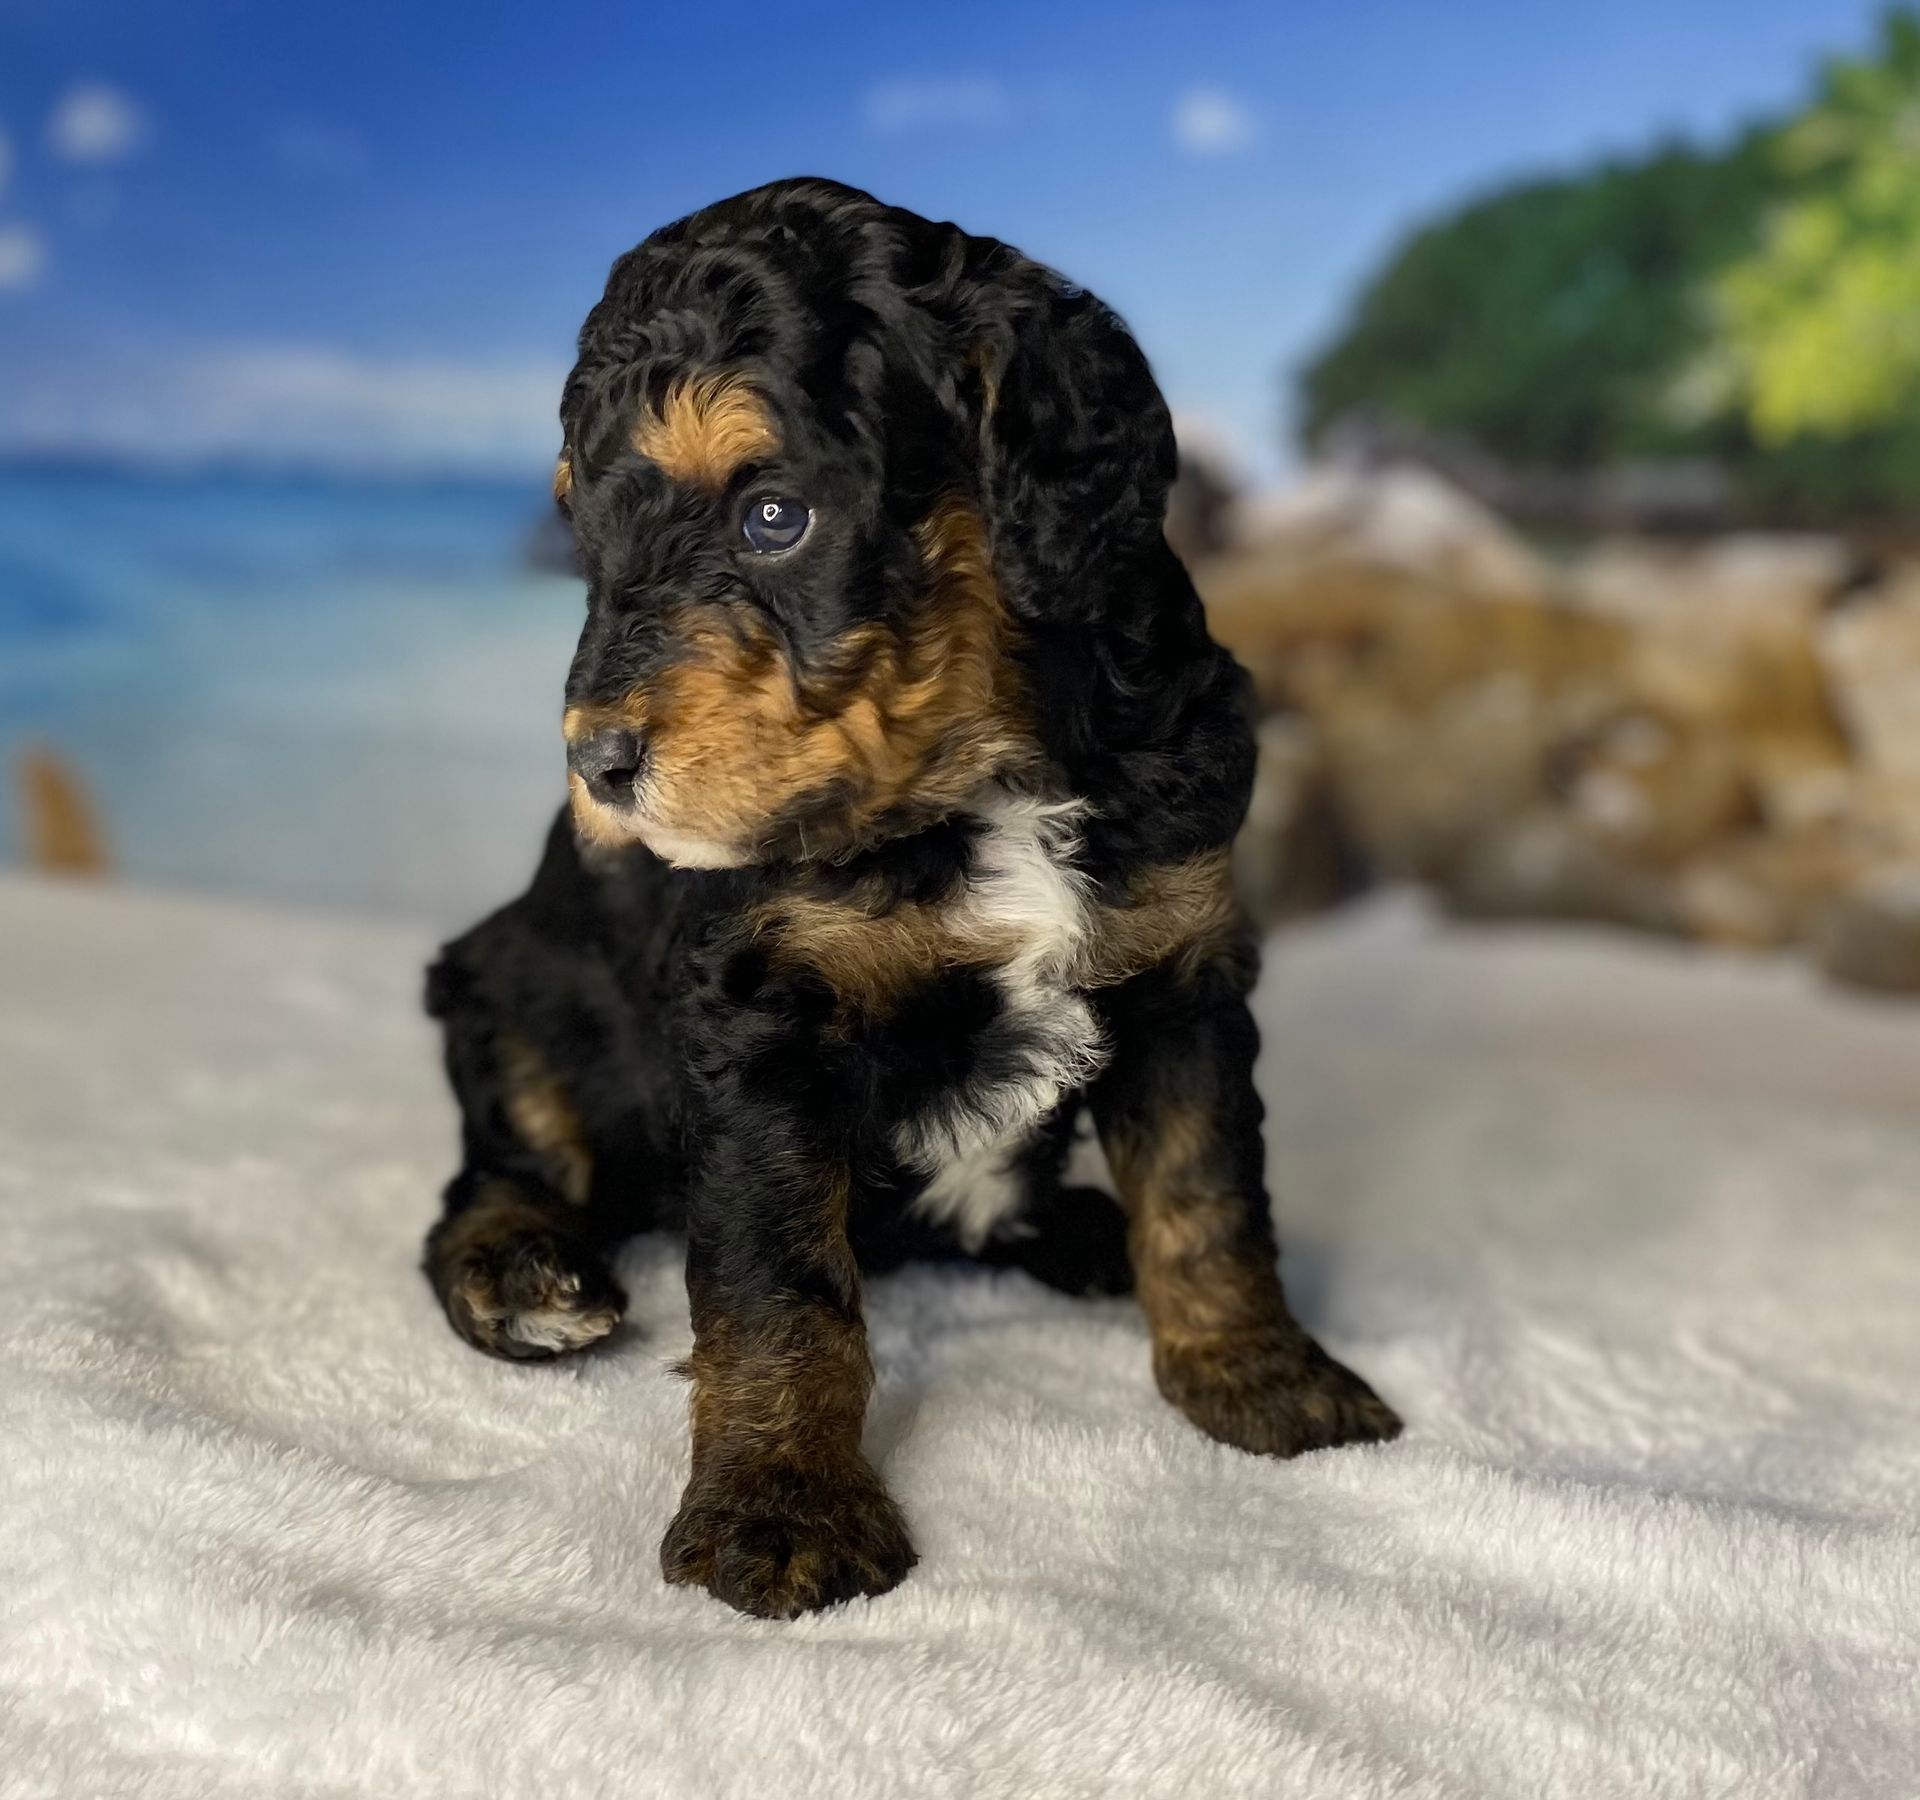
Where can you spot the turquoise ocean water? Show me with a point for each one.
(314, 690)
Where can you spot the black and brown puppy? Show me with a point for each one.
(903, 777)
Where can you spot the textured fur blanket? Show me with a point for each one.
(1630, 1236)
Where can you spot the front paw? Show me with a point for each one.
(776, 1542)
(1276, 1393)
(522, 1291)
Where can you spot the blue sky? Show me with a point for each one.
(366, 232)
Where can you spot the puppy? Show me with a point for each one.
(903, 775)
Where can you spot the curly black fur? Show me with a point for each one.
(804, 1048)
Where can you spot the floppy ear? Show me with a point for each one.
(1076, 445)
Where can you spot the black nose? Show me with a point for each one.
(608, 761)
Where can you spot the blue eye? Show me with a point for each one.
(774, 522)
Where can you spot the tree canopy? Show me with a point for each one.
(1758, 302)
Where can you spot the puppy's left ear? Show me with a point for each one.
(1076, 445)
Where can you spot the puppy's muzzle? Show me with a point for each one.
(610, 762)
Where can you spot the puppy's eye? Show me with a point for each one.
(775, 522)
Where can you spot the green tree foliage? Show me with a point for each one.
(1821, 323)
(1545, 324)
(1759, 303)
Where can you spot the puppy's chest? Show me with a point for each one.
(1026, 925)
(977, 1004)
(976, 1000)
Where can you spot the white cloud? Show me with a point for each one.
(938, 103)
(281, 403)
(398, 403)
(96, 123)
(23, 256)
(1209, 121)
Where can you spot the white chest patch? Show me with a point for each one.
(1024, 895)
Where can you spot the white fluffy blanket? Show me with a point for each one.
(1630, 1235)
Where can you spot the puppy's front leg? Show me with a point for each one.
(783, 1514)
(1179, 1119)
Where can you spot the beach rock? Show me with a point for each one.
(1292, 857)
(1724, 636)
(1542, 866)
(1719, 740)
(1751, 892)
(1201, 509)
(1308, 627)
(61, 832)
(1654, 787)
(1753, 574)
(1870, 652)
(1870, 938)
(1403, 518)
(1417, 787)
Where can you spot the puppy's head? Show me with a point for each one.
(842, 481)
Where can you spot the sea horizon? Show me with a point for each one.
(312, 683)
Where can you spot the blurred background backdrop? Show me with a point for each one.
(1548, 381)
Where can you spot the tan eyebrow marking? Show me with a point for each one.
(563, 477)
(705, 428)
